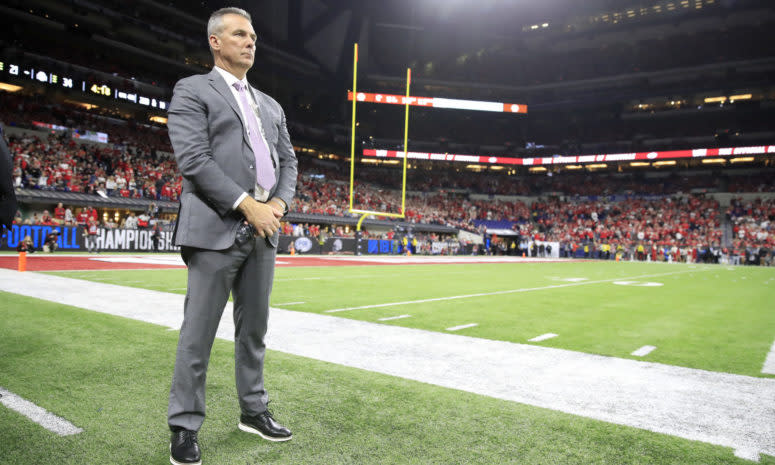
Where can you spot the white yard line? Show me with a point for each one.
(643, 351)
(543, 337)
(450, 259)
(769, 362)
(510, 291)
(38, 414)
(718, 408)
(362, 276)
(458, 328)
(175, 260)
(285, 304)
(390, 318)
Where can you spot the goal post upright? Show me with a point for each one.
(365, 213)
(406, 136)
(352, 132)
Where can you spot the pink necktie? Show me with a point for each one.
(264, 168)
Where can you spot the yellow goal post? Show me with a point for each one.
(365, 213)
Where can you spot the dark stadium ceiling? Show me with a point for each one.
(401, 33)
(311, 41)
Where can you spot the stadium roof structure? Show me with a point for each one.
(83, 199)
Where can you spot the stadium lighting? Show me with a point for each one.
(732, 98)
(9, 87)
(715, 99)
(741, 160)
(640, 163)
(537, 169)
(597, 165)
(664, 163)
(713, 160)
(573, 167)
(87, 106)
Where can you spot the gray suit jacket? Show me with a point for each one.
(213, 153)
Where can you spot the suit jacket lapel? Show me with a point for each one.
(219, 84)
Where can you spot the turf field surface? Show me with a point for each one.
(587, 447)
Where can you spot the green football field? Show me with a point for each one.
(110, 375)
(700, 316)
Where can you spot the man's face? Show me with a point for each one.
(236, 42)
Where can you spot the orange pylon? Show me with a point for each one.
(22, 261)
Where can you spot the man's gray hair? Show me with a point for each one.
(215, 23)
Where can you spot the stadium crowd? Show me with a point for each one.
(580, 211)
(575, 209)
(59, 163)
(753, 221)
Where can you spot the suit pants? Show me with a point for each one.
(247, 272)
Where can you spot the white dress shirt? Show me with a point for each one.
(262, 195)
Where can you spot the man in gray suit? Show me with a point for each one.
(239, 176)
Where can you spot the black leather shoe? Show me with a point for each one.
(184, 448)
(265, 426)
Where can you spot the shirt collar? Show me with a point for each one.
(230, 78)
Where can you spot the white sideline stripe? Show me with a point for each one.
(299, 279)
(643, 351)
(289, 303)
(510, 291)
(457, 328)
(723, 409)
(769, 362)
(543, 337)
(388, 318)
(37, 414)
(748, 454)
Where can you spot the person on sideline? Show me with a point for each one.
(239, 170)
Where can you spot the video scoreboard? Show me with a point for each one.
(51, 76)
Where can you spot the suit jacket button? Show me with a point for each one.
(251, 166)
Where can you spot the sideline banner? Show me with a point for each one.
(339, 245)
(306, 245)
(301, 245)
(133, 240)
(71, 238)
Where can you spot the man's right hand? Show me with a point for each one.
(263, 217)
